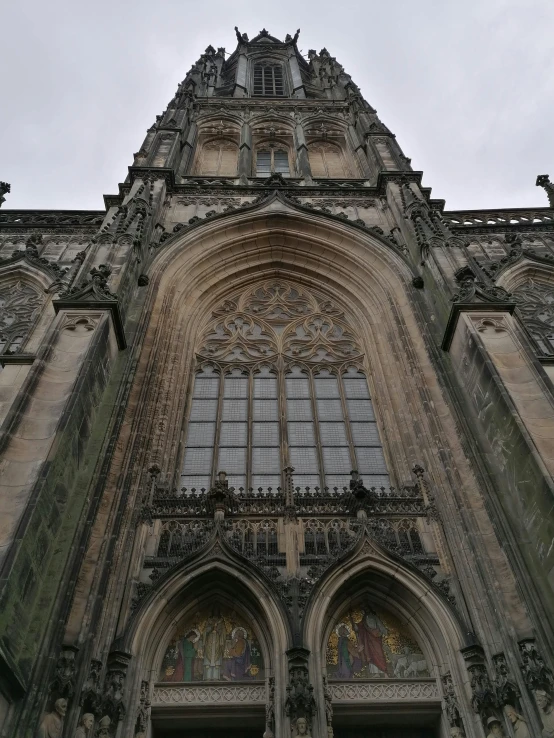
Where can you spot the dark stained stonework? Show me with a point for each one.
(271, 229)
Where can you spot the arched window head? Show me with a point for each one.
(20, 306)
(268, 80)
(218, 158)
(272, 161)
(281, 384)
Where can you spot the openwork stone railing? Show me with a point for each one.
(385, 690)
(482, 218)
(209, 694)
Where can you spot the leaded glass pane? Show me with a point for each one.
(306, 480)
(237, 481)
(235, 387)
(265, 434)
(304, 460)
(201, 434)
(371, 461)
(376, 480)
(203, 410)
(233, 434)
(301, 434)
(235, 410)
(265, 387)
(265, 410)
(299, 410)
(328, 387)
(333, 434)
(198, 461)
(266, 480)
(266, 460)
(195, 482)
(337, 480)
(206, 387)
(360, 410)
(356, 388)
(337, 460)
(232, 460)
(329, 409)
(297, 387)
(365, 434)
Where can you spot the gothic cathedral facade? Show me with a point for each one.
(277, 441)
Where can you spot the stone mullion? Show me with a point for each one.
(346, 416)
(283, 416)
(249, 431)
(322, 477)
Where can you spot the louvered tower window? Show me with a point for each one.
(281, 384)
(268, 80)
(272, 162)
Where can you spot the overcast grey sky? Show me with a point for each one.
(467, 86)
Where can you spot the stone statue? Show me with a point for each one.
(85, 726)
(242, 38)
(518, 723)
(52, 723)
(457, 732)
(494, 726)
(544, 702)
(302, 728)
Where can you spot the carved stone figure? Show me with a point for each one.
(302, 728)
(546, 709)
(52, 723)
(519, 725)
(457, 732)
(494, 727)
(85, 726)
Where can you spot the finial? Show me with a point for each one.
(543, 180)
(4, 189)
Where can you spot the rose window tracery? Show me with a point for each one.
(280, 383)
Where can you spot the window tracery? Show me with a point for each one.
(20, 306)
(272, 161)
(536, 305)
(280, 383)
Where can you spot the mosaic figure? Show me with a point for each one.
(213, 646)
(369, 644)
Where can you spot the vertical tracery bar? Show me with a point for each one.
(233, 434)
(197, 465)
(266, 447)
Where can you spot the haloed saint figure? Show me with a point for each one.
(214, 646)
(369, 644)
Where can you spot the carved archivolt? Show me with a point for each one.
(289, 320)
(20, 306)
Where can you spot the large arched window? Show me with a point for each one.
(268, 80)
(327, 160)
(280, 383)
(218, 158)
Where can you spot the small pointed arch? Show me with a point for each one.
(370, 574)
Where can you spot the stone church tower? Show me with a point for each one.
(277, 442)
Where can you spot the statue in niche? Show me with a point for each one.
(366, 643)
(544, 703)
(85, 726)
(302, 728)
(52, 723)
(218, 646)
(519, 725)
(494, 726)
